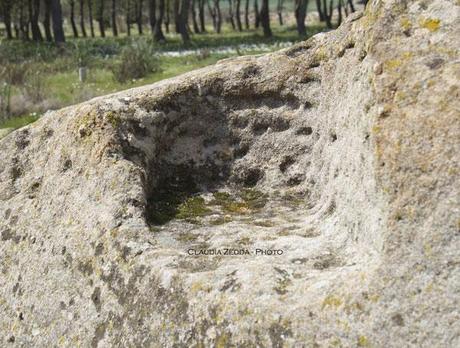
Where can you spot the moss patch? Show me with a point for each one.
(192, 207)
(242, 202)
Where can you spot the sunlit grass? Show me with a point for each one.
(18, 122)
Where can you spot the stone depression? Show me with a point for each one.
(340, 151)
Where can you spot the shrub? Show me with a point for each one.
(203, 54)
(137, 60)
(81, 54)
(14, 74)
(34, 87)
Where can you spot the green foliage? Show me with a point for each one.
(137, 61)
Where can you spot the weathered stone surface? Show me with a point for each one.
(342, 151)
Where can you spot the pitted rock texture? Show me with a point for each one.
(341, 151)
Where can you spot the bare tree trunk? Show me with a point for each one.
(7, 18)
(72, 18)
(352, 6)
(300, 14)
(47, 21)
(327, 12)
(167, 13)
(114, 18)
(246, 14)
(201, 15)
(265, 18)
(139, 17)
(157, 32)
(128, 17)
(238, 15)
(230, 14)
(176, 6)
(16, 31)
(82, 19)
(339, 19)
(183, 20)
(100, 18)
(280, 11)
(212, 13)
(90, 15)
(152, 15)
(34, 9)
(216, 15)
(256, 14)
(23, 26)
(196, 29)
(219, 16)
(320, 11)
(56, 15)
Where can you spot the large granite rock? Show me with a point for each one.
(340, 153)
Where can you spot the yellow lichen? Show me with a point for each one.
(363, 341)
(405, 23)
(393, 64)
(332, 301)
(374, 297)
(432, 24)
(427, 249)
(197, 287)
(222, 341)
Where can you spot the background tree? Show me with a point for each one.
(201, 15)
(128, 8)
(238, 15)
(176, 6)
(6, 8)
(22, 17)
(72, 17)
(320, 10)
(246, 14)
(47, 21)
(183, 19)
(300, 14)
(256, 14)
(34, 12)
(100, 17)
(56, 15)
(23, 24)
(90, 17)
(265, 18)
(196, 28)
(82, 18)
(280, 11)
(152, 14)
(139, 5)
(167, 14)
(328, 12)
(157, 31)
(114, 18)
(230, 14)
(6, 11)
